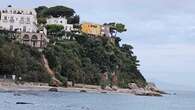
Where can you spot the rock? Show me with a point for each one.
(152, 87)
(133, 86)
(17, 94)
(22, 103)
(55, 83)
(103, 92)
(53, 90)
(108, 88)
(114, 88)
(69, 83)
(147, 93)
(83, 91)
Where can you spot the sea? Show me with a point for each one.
(94, 101)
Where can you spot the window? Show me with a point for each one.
(34, 40)
(24, 28)
(5, 17)
(11, 28)
(22, 20)
(26, 39)
(12, 19)
(28, 20)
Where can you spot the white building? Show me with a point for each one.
(19, 20)
(60, 21)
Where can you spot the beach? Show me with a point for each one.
(10, 86)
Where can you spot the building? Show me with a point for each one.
(60, 21)
(105, 31)
(19, 20)
(91, 29)
(24, 24)
(37, 40)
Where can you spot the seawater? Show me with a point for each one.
(95, 101)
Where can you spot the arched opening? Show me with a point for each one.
(26, 39)
(34, 40)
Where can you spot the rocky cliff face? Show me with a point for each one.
(149, 90)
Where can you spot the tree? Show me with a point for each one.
(41, 20)
(58, 11)
(120, 27)
(116, 27)
(74, 19)
(21, 60)
(54, 29)
(40, 11)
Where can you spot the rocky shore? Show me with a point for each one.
(149, 90)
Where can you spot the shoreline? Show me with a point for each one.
(43, 87)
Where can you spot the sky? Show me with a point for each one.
(161, 31)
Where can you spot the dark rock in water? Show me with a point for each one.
(17, 94)
(83, 91)
(22, 103)
(104, 92)
(53, 90)
(149, 94)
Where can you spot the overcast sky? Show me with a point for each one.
(161, 31)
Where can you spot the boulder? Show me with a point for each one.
(55, 82)
(69, 83)
(114, 88)
(17, 94)
(83, 91)
(108, 88)
(22, 103)
(53, 90)
(148, 93)
(133, 86)
(152, 87)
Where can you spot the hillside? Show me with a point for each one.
(82, 61)
(21, 60)
(70, 56)
(85, 59)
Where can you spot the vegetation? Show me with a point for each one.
(22, 61)
(81, 59)
(58, 11)
(44, 12)
(116, 27)
(86, 59)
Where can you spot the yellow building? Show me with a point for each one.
(91, 28)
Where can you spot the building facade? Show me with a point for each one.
(91, 29)
(19, 20)
(105, 31)
(60, 21)
(37, 40)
